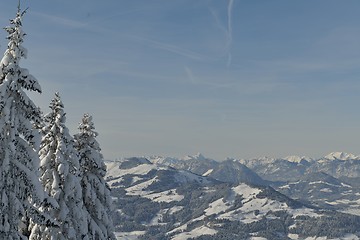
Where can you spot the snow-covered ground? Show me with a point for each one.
(129, 235)
(165, 196)
(142, 169)
(249, 207)
(203, 230)
(139, 189)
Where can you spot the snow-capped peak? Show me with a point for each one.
(341, 156)
(266, 159)
(198, 156)
(297, 159)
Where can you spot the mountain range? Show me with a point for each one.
(199, 198)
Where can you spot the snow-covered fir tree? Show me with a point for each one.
(60, 176)
(20, 189)
(96, 193)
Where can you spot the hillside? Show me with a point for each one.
(155, 201)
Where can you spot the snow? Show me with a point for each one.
(164, 160)
(263, 206)
(316, 238)
(138, 190)
(285, 186)
(346, 237)
(350, 237)
(135, 179)
(158, 217)
(341, 156)
(346, 185)
(175, 209)
(350, 192)
(115, 180)
(253, 208)
(198, 156)
(304, 211)
(113, 169)
(293, 236)
(328, 190)
(344, 201)
(353, 211)
(129, 235)
(203, 230)
(297, 159)
(217, 207)
(331, 203)
(326, 183)
(246, 191)
(209, 190)
(165, 196)
(186, 176)
(208, 172)
(260, 160)
(182, 228)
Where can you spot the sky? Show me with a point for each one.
(227, 78)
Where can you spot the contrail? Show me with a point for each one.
(171, 48)
(190, 74)
(229, 31)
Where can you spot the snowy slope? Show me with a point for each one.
(230, 170)
(341, 156)
(155, 201)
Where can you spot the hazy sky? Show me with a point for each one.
(234, 78)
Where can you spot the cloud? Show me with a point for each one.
(211, 81)
(60, 20)
(217, 20)
(229, 31)
(190, 74)
(172, 48)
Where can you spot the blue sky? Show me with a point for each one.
(226, 78)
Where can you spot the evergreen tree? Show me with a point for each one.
(96, 193)
(60, 176)
(20, 188)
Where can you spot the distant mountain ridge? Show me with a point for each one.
(337, 164)
(161, 198)
(341, 156)
(231, 170)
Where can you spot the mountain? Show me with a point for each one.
(197, 164)
(297, 159)
(156, 201)
(290, 169)
(330, 182)
(337, 164)
(144, 176)
(230, 171)
(324, 191)
(341, 156)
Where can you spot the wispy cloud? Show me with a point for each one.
(171, 48)
(60, 20)
(145, 75)
(209, 81)
(229, 31)
(217, 20)
(190, 74)
(305, 65)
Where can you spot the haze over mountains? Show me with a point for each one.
(199, 198)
